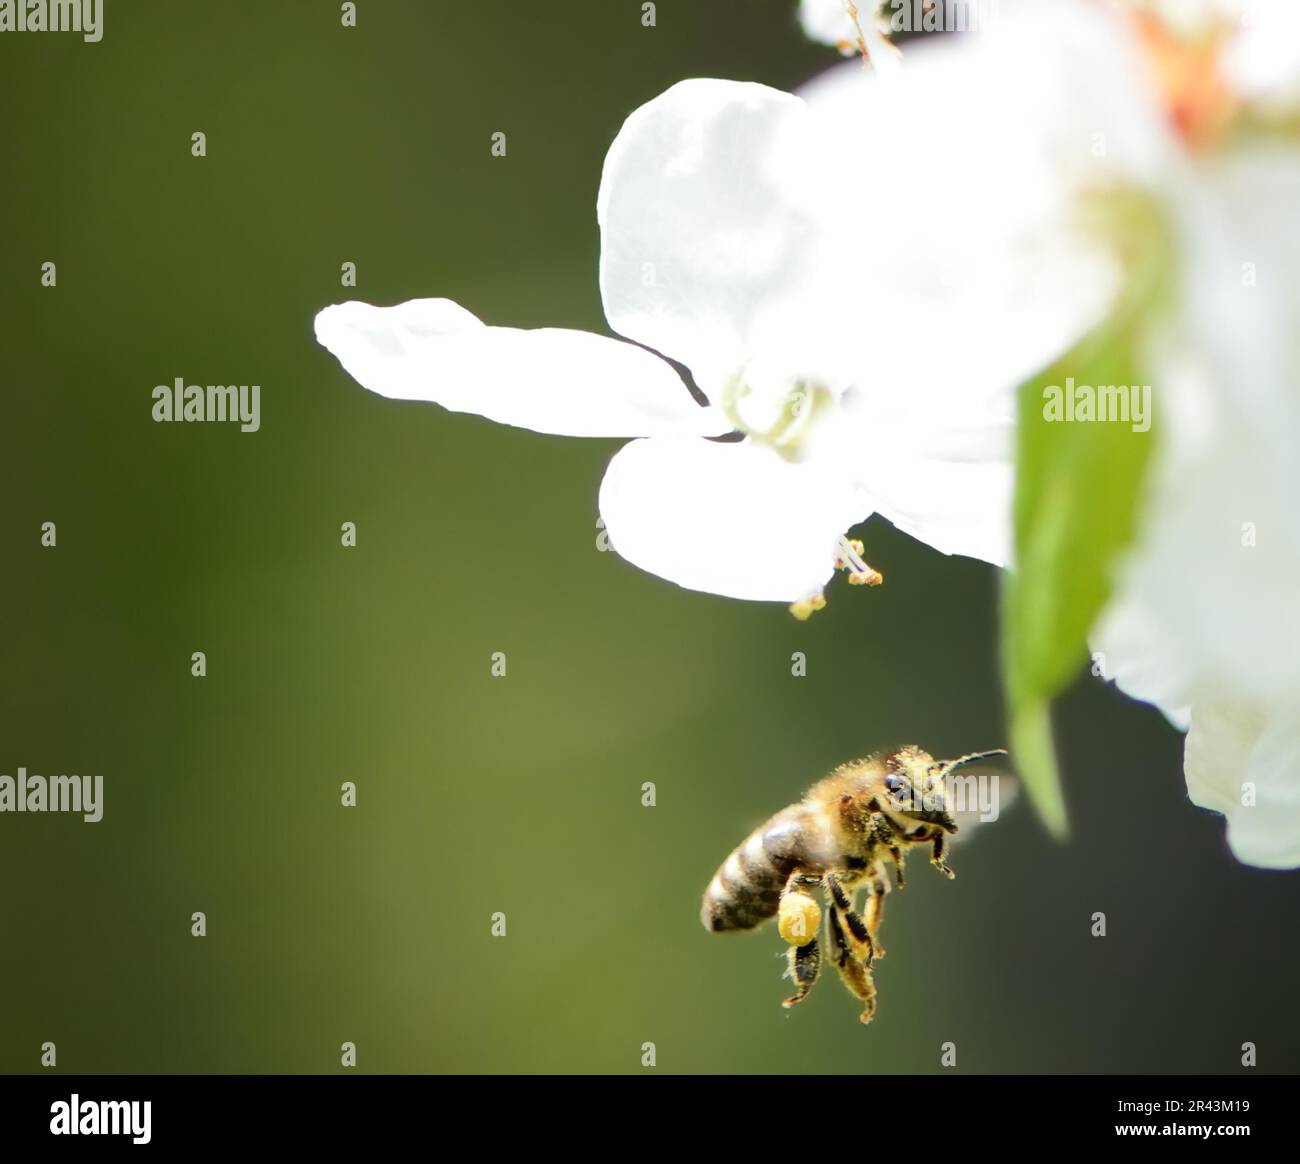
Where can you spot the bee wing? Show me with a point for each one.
(980, 796)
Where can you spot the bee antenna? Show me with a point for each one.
(946, 766)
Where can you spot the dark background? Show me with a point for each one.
(476, 794)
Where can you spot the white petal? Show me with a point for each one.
(941, 473)
(1230, 604)
(1241, 285)
(971, 293)
(700, 242)
(1263, 60)
(572, 383)
(1233, 749)
(729, 519)
(1134, 650)
(1213, 576)
(1219, 554)
(958, 507)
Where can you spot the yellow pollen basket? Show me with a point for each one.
(799, 919)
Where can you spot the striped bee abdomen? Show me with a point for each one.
(747, 889)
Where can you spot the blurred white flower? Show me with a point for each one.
(1195, 105)
(1203, 623)
(866, 347)
(1203, 619)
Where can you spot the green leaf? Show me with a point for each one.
(1035, 753)
(1079, 483)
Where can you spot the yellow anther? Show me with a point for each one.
(849, 557)
(871, 577)
(804, 609)
(799, 918)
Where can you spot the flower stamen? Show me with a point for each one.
(858, 43)
(848, 557)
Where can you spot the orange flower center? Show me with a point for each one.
(1197, 97)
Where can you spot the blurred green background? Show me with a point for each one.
(476, 794)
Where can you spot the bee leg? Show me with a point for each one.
(855, 973)
(805, 962)
(885, 837)
(939, 847)
(897, 853)
(853, 928)
(876, 892)
(798, 881)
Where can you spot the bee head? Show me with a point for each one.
(916, 793)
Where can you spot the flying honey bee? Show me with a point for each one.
(836, 840)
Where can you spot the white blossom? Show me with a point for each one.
(794, 255)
